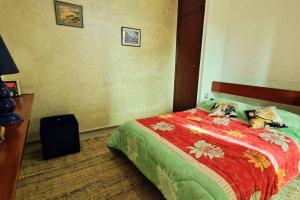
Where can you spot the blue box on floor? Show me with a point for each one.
(59, 136)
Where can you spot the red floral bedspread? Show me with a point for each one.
(255, 163)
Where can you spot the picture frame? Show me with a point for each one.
(131, 36)
(13, 87)
(2, 134)
(68, 14)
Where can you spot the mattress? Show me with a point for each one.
(189, 155)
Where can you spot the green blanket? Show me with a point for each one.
(176, 178)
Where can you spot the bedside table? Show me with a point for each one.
(11, 150)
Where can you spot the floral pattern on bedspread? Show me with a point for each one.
(255, 163)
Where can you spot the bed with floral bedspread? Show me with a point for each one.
(190, 155)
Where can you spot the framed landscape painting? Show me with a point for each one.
(131, 37)
(68, 14)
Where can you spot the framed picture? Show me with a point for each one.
(68, 14)
(131, 37)
(13, 87)
(2, 136)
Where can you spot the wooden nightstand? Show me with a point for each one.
(11, 150)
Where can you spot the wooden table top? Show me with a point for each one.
(11, 150)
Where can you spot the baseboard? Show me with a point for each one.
(99, 129)
(34, 140)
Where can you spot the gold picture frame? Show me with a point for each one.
(68, 14)
(2, 134)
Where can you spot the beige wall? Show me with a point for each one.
(213, 45)
(263, 43)
(86, 71)
(255, 42)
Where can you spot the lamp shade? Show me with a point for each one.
(7, 64)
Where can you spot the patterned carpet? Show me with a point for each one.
(94, 173)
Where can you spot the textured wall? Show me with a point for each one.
(86, 71)
(213, 46)
(253, 42)
(263, 43)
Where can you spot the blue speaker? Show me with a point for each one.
(59, 136)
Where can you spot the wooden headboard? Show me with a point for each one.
(289, 97)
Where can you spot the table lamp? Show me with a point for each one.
(7, 104)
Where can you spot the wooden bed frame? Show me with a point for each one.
(289, 97)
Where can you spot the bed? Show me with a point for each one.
(190, 155)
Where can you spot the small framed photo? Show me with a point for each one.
(13, 87)
(68, 14)
(131, 37)
(2, 134)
